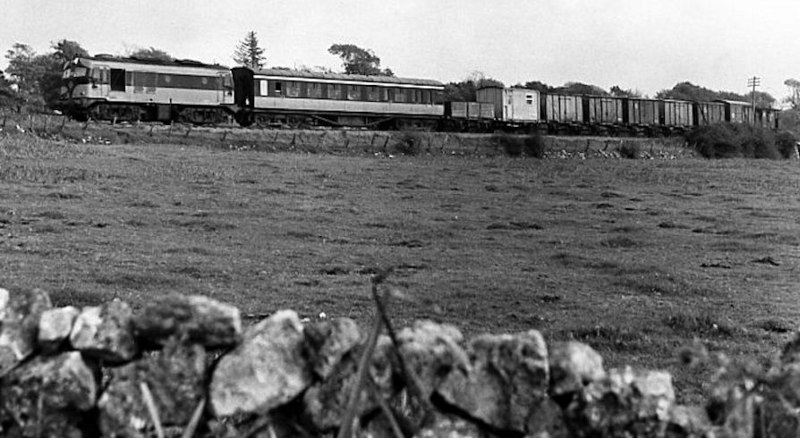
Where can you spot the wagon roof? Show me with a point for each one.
(735, 102)
(346, 77)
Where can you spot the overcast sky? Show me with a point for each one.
(646, 45)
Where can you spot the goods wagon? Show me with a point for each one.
(562, 112)
(641, 115)
(675, 114)
(511, 105)
(737, 111)
(708, 113)
(767, 118)
(603, 112)
(468, 116)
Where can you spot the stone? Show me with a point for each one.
(267, 369)
(200, 319)
(506, 382)
(573, 365)
(20, 310)
(328, 341)
(105, 332)
(175, 376)
(55, 326)
(49, 396)
(430, 349)
(626, 402)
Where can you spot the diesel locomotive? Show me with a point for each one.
(128, 89)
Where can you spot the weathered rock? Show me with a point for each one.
(431, 350)
(265, 370)
(573, 365)
(196, 317)
(55, 326)
(325, 402)
(105, 332)
(690, 421)
(175, 377)
(20, 310)
(442, 426)
(625, 402)
(328, 341)
(506, 382)
(49, 396)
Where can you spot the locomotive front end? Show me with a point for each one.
(78, 88)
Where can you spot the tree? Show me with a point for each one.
(358, 61)
(581, 88)
(152, 54)
(66, 50)
(248, 53)
(794, 87)
(617, 91)
(538, 86)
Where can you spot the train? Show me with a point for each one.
(105, 87)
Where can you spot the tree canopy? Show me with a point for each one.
(794, 98)
(358, 61)
(37, 78)
(151, 53)
(248, 53)
(689, 91)
(465, 91)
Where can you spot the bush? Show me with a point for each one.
(630, 150)
(515, 145)
(726, 140)
(408, 143)
(510, 144)
(534, 146)
(786, 143)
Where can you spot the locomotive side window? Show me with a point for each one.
(117, 79)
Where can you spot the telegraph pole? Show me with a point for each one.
(754, 82)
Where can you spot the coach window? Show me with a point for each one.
(372, 94)
(384, 94)
(278, 88)
(399, 95)
(292, 89)
(334, 91)
(353, 92)
(426, 96)
(263, 87)
(315, 90)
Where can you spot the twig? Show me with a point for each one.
(412, 380)
(346, 430)
(387, 411)
(195, 420)
(151, 408)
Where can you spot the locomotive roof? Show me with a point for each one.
(346, 77)
(135, 60)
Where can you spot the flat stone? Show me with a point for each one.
(175, 376)
(573, 365)
(198, 318)
(266, 370)
(20, 310)
(55, 325)
(506, 382)
(105, 332)
(430, 349)
(49, 396)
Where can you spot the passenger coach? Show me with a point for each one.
(291, 98)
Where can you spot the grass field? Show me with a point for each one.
(635, 257)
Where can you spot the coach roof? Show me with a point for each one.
(346, 78)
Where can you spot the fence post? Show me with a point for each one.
(188, 131)
(63, 122)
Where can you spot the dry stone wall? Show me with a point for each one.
(184, 366)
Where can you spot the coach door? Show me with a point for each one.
(224, 87)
